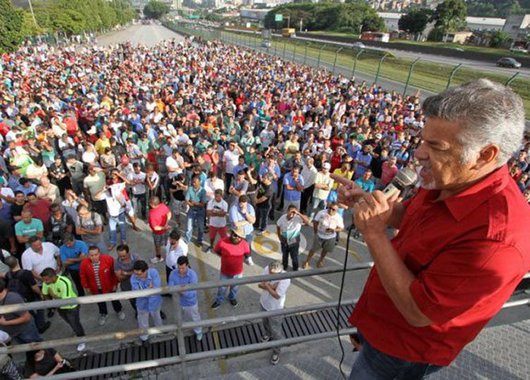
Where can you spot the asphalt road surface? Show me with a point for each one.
(148, 35)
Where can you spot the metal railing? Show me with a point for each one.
(179, 327)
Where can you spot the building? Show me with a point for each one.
(484, 23)
(517, 26)
(391, 20)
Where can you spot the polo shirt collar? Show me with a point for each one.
(462, 204)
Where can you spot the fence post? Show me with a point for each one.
(180, 334)
(355, 62)
(319, 55)
(509, 81)
(453, 72)
(294, 53)
(410, 74)
(379, 68)
(284, 47)
(335, 61)
(305, 51)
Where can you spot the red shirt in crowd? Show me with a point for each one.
(107, 276)
(158, 217)
(468, 253)
(232, 255)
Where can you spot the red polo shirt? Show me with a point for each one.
(158, 218)
(468, 253)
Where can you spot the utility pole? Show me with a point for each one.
(32, 13)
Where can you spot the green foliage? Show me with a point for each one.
(498, 8)
(450, 16)
(498, 38)
(436, 34)
(354, 16)
(11, 21)
(415, 20)
(156, 9)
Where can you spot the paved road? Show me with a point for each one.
(266, 248)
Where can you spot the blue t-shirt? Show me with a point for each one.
(150, 303)
(73, 252)
(292, 195)
(188, 298)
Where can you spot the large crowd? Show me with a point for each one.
(207, 143)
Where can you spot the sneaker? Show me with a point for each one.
(162, 314)
(216, 305)
(155, 260)
(81, 347)
(249, 261)
(233, 303)
(45, 327)
(265, 338)
(102, 319)
(121, 315)
(275, 358)
(198, 336)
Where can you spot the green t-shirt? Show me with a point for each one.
(31, 229)
(62, 289)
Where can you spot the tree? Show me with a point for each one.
(11, 21)
(156, 9)
(498, 38)
(450, 16)
(415, 20)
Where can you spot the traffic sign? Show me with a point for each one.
(278, 17)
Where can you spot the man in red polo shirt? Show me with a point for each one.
(158, 218)
(233, 249)
(462, 245)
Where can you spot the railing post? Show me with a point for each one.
(453, 72)
(355, 62)
(294, 53)
(319, 55)
(305, 51)
(509, 81)
(275, 46)
(379, 68)
(335, 61)
(180, 334)
(284, 47)
(410, 74)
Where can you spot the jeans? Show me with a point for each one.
(140, 200)
(191, 313)
(196, 216)
(372, 364)
(114, 223)
(273, 329)
(38, 315)
(221, 292)
(290, 251)
(71, 316)
(76, 278)
(102, 306)
(261, 216)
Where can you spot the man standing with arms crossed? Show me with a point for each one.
(462, 245)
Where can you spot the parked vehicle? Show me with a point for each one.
(508, 62)
(518, 49)
(288, 32)
(358, 45)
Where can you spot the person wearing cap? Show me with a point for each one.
(323, 185)
(72, 252)
(184, 275)
(273, 298)
(233, 250)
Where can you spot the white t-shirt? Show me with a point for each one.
(290, 229)
(269, 302)
(217, 221)
(210, 186)
(173, 253)
(326, 221)
(7, 192)
(231, 158)
(37, 262)
(173, 166)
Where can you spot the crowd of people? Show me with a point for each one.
(193, 138)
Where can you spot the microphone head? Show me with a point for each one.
(405, 177)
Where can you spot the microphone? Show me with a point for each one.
(405, 177)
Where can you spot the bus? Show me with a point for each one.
(288, 32)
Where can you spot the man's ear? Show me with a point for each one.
(488, 155)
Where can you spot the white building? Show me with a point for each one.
(517, 26)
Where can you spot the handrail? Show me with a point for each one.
(121, 335)
(200, 355)
(175, 289)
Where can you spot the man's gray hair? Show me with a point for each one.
(489, 113)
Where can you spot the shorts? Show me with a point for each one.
(160, 240)
(327, 245)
